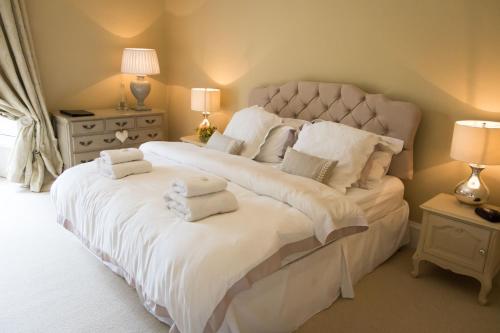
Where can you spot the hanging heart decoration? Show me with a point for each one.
(122, 135)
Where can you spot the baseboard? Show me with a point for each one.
(414, 234)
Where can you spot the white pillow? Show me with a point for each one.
(251, 125)
(350, 146)
(276, 144)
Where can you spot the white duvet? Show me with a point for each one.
(187, 273)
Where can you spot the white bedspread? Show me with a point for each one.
(187, 273)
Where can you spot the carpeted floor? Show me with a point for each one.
(50, 283)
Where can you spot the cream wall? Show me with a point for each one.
(79, 43)
(441, 55)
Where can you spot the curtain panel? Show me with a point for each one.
(21, 99)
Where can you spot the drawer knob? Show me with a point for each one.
(120, 123)
(89, 127)
(86, 143)
(135, 137)
(152, 135)
(109, 140)
(482, 252)
(150, 121)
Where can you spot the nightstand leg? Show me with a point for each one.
(485, 290)
(416, 265)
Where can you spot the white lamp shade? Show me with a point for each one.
(476, 141)
(205, 100)
(140, 62)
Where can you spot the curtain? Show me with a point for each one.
(35, 151)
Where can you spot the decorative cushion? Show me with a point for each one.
(300, 164)
(224, 144)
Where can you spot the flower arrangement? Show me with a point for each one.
(205, 132)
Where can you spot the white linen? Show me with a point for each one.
(349, 146)
(193, 184)
(276, 144)
(283, 301)
(251, 125)
(172, 263)
(197, 208)
(121, 155)
(120, 170)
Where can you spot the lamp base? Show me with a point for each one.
(473, 191)
(140, 89)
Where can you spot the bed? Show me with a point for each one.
(269, 267)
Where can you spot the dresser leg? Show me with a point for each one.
(416, 265)
(485, 290)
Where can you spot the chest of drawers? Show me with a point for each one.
(82, 138)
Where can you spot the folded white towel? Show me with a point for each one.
(120, 170)
(197, 184)
(197, 208)
(116, 156)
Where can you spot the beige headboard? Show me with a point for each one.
(348, 105)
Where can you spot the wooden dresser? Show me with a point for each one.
(82, 138)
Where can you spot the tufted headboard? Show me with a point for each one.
(348, 105)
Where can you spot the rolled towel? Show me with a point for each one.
(116, 156)
(120, 170)
(197, 184)
(197, 208)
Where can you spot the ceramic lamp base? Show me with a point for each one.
(140, 89)
(473, 191)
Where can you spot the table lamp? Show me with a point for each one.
(476, 142)
(141, 62)
(205, 100)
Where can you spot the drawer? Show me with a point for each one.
(141, 136)
(95, 142)
(119, 124)
(456, 242)
(148, 121)
(85, 157)
(87, 127)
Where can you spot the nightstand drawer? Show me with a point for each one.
(118, 124)
(87, 127)
(85, 157)
(95, 142)
(148, 121)
(455, 241)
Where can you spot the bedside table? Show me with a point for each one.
(81, 139)
(193, 139)
(455, 238)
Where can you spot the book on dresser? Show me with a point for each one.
(81, 139)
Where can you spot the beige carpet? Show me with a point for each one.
(50, 283)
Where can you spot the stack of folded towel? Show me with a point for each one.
(120, 163)
(197, 196)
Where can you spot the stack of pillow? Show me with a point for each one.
(334, 154)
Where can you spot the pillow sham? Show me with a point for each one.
(304, 165)
(251, 125)
(224, 144)
(375, 169)
(349, 146)
(277, 142)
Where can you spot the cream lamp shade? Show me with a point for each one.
(205, 100)
(140, 62)
(476, 142)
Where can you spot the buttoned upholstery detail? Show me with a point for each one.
(348, 105)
